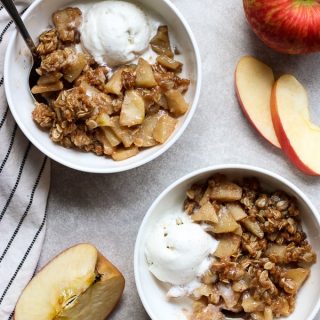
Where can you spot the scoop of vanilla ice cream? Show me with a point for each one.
(178, 250)
(115, 32)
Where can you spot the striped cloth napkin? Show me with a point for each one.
(24, 187)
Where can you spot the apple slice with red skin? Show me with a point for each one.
(254, 81)
(287, 26)
(298, 136)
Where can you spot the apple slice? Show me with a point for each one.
(79, 284)
(299, 137)
(254, 81)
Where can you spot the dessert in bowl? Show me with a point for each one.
(259, 261)
(119, 80)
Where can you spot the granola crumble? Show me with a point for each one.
(90, 109)
(263, 257)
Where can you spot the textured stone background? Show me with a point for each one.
(107, 210)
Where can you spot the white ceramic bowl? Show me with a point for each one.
(16, 72)
(152, 292)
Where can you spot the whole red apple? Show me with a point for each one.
(288, 26)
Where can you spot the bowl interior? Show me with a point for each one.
(17, 66)
(152, 292)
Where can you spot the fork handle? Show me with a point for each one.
(13, 12)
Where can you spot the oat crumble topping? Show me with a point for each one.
(263, 257)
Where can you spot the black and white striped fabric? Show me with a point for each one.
(24, 187)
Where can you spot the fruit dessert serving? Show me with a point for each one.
(100, 95)
(237, 250)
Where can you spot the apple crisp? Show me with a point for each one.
(92, 108)
(263, 257)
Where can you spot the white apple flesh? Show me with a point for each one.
(254, 81)
(78, 284)
(298, 136)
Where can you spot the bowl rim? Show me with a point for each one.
(92, 169)
(253, 169)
